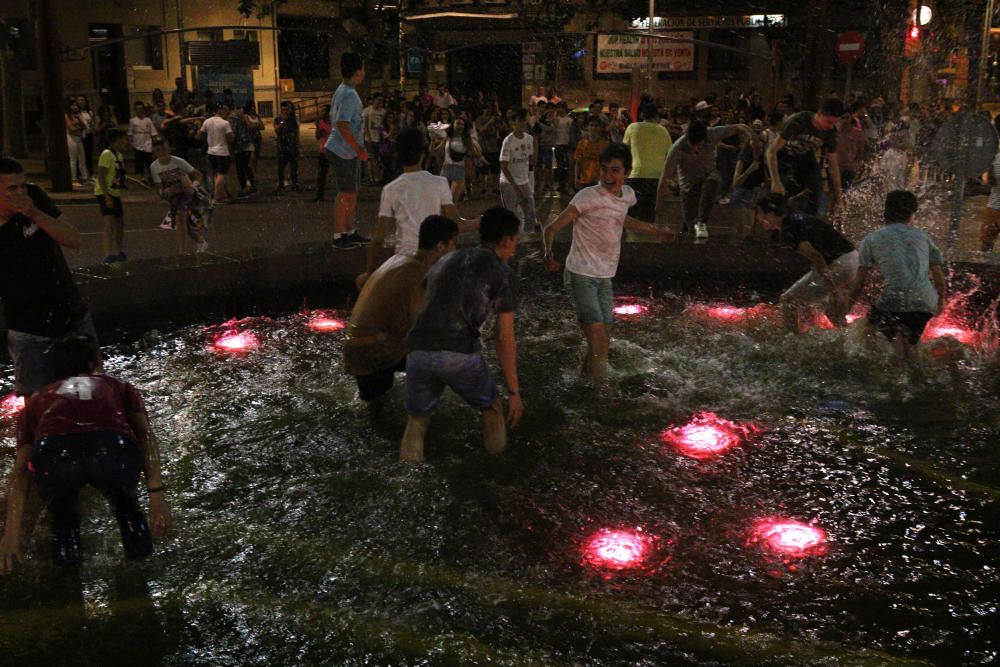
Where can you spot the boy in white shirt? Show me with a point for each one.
(517, 161)
(598, 214)
(141, 131)
(219, 134)
(409, 199)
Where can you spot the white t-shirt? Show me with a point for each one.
(372, 119)
(564, 126)
(170, 175)
(216, 129)
(597, 232)
(518, 154)
(141, 132)
(408, 200)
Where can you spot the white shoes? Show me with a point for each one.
(700, 230)
(202, 247)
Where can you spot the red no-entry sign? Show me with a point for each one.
(850, 46)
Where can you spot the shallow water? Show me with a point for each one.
(300, 540)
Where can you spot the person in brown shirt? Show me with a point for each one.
(392, 296)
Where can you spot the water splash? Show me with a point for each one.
(10, 405)
(324, 321)
(788, 537)
(235, 342)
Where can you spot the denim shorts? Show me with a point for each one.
(33, 368)
(428, 372)
(593, 298)
(455, 173)
(347, 173)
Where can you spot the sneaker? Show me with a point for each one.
(357, 239)
(202, 247)
(700, 230)
(110, 259)
(121, 257)
(343, 243)
(724, 201)
(168, 223)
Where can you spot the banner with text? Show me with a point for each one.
(617, 54)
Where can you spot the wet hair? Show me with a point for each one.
(436, 229)
(115, 133)
(697, 132)
(648, 111)
(832, 106)
(409, 146)
(349, 64)
(617, 151)
(900, 205)
(74, 355)
(9, 165)
(497, 224)
(772, 202)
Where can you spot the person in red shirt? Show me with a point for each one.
(84, 428)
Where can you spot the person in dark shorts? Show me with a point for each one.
(345, 148)
(375, 349)
(84, 428)
(464, 289)
(833, 258)
(913, 285)
(40, 300)
(108, 191)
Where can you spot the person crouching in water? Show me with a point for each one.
(833, 258)
(913, 285)
(464, 289)
(375, 349)
(84, 428)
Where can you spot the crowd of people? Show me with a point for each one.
(422, 311)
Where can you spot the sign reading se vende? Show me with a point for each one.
(620, 53)
(850, 46)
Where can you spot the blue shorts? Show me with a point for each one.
(455, 173)
(593, 298)
(428, 372)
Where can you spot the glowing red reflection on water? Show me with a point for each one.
(617, 549)
(630, 309)
(706, 436)
(235, 342)
(326, 324)
(726, 312)
(789, 537)
(956, 331)
(11, 404)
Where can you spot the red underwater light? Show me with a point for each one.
(706, 436)
(617, 549)
(234, 342)
(11, 404)
(630, 309)
(326, 324)
(789, 537)
(955, 330)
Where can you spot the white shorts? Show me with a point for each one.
(811, 287)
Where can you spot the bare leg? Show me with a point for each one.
(180, 231)
(790, 316)
(834, 309)
(412, 447)
(456, 191)
(595, 364)
(120, 234)
(494, 428)
(108, 238)
(343, 212)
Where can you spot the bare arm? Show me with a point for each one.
(857, 286)
(17, 494)
(937, 277)
(149, 450)
(647, 228)
(378, 235)
(834, 172)
(819, 264)
(58, 229)
(464, 224)
(507, 355)
(345, 131)
(565, 219)
(772, 164)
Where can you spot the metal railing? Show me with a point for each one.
(309, 109)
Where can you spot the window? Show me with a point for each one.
(208, 35)
(723, 64)
(152, 46)
(249, 36)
